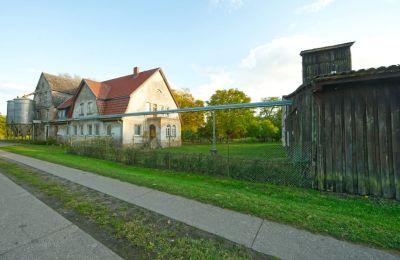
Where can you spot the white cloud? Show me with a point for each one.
(10, 90)
(274, 68)
(217, 79)
(315, 6)
(229, 5)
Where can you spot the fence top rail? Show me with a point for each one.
(182, 110)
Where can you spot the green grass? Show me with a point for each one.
(155, 241)
(359, 219)
(251, 151)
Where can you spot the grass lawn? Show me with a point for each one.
(359, 219)
(251, 151)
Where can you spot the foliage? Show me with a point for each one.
(3, 129)
(191, 122)
(231, 122)
(263, 129)
(364, 220)
(274, 115)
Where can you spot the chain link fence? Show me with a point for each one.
(281, 165)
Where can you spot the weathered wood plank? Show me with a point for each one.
(371, 120)
(338, 152)
(348, 138)
(383, 145)
(328, 143)
(359, 117)
(322, 147)
(395, 118)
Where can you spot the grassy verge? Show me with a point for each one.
(364, 220)
(151, 236)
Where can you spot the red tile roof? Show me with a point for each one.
(67, 103)
(112, 95)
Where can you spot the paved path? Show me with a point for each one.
(261, 235)
(29, 229)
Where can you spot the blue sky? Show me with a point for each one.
(201, 45)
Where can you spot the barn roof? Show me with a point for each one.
(62, 84)
(351, 76)
(326, 48)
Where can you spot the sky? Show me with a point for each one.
(201, 45)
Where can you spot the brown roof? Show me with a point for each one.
(113, 95)
(67, 103)
(326, 48)
(62, 84)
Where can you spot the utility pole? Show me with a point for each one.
(213, 150)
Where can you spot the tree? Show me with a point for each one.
(191, 122)
(262, 129)
(233, 122)
(274, 114)
(2, 127)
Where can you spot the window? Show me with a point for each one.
(173, 131)
(81, 109)
(154, 107)
(90, 129)
(96, 129)
(61, 114)
(75, 130)
(67, 129)
(138, 130)
(168, 131)
(47, 114)
(109, 130)
(81, 129)
(90, 108)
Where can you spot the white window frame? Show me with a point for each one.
(96, 129)
(75, 130)
(168, 131)
(109, 130)
(81, 109)
(173, 131)
(90, 129)
(139, 128)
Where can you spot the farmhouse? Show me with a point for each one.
(79, 116)
(347, 123)
(50, 92)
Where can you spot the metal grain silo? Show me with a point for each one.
(10, 111)
(23, 111)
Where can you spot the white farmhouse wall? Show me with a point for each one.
(153, 91)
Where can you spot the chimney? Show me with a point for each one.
(326, 60)
(136, 71)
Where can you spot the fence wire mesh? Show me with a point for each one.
(257, 162)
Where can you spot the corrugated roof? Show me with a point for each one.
(62, 84)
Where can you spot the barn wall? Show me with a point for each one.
(357, 137)
(298, 125)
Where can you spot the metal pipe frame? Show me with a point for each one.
(180, 110)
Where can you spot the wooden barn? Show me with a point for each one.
(346, 123)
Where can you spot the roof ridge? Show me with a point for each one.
(155, 69)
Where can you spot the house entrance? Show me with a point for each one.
(152, 131)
